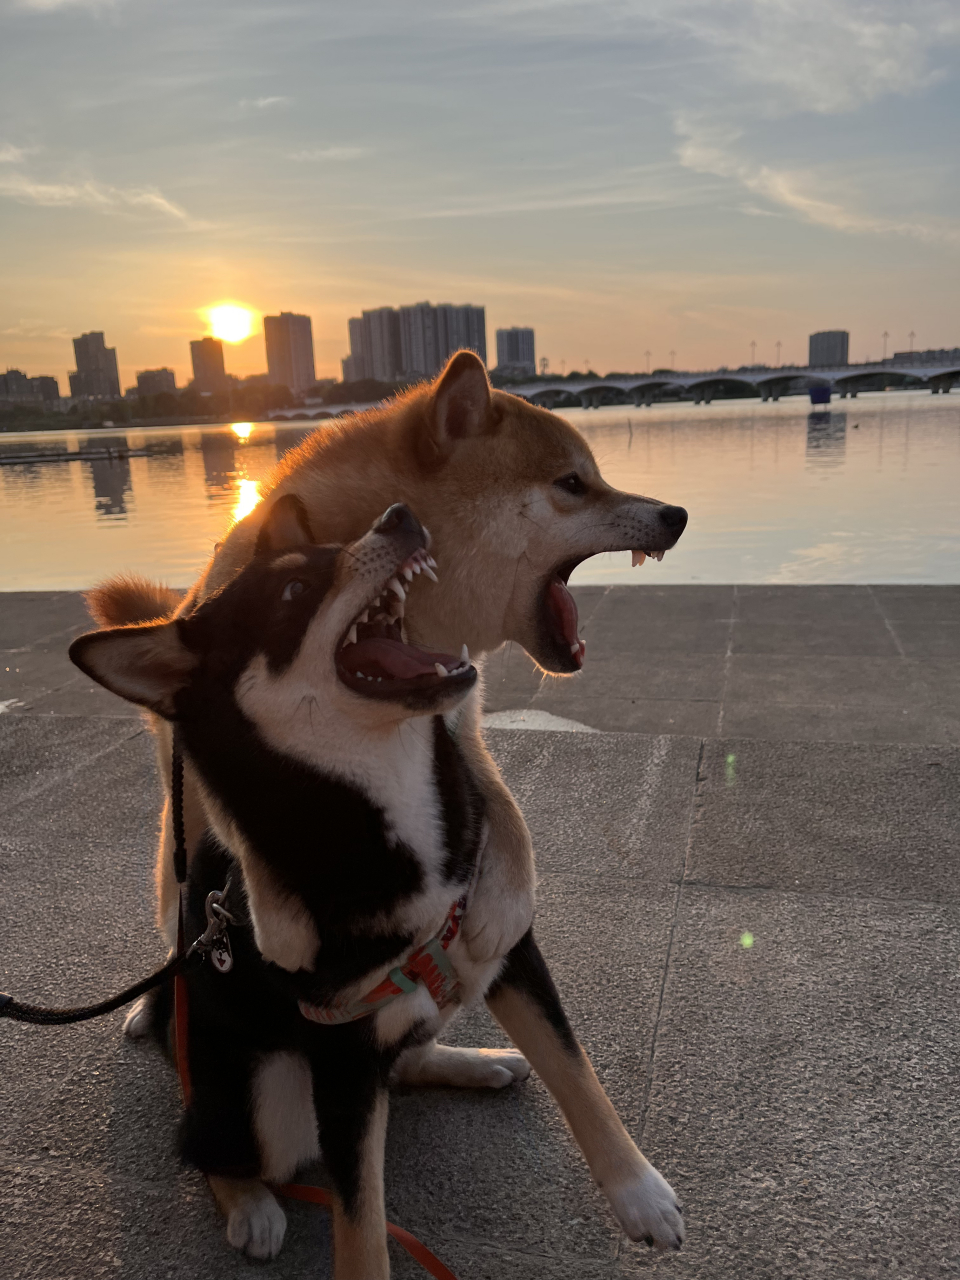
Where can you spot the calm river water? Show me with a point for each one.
(867, 493)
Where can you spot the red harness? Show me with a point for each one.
(428, 965)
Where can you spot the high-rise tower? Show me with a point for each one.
(96, 373)
(289, 341)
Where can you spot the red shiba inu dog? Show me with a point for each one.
(513, 501)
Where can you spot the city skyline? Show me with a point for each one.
(382, 344)
(622, 177)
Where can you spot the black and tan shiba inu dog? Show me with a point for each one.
(338, 799)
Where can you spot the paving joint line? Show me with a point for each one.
(886, 621)
(62, 776)
(728, 657)
(831, 895)
(699, 779)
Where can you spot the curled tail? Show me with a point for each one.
(128, 598)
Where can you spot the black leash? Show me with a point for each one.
(214, 940)
(19, 1012)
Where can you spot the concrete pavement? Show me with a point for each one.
(779, 762)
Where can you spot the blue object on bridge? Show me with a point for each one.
(819, 395)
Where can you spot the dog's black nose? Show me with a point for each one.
(675, 518)
(398, 519)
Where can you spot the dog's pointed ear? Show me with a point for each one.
(146, 664)
(285, 527)
(462, 404)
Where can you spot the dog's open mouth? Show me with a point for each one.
(373, 657)
(561, 608)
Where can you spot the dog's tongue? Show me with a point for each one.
(395, 660)
(564, 611)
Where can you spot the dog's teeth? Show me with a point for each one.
(408, 573)
(465, 656)
(659, 556)
(352, 635)
(365, 616)
(379, 678)
(359, 675)
(575, 648)
(417, 567)
(396, 588)
(431, 562)
(440, 669)
(638, 558)
(430, 574)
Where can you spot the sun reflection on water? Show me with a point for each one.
(242, 430)
(247, 498)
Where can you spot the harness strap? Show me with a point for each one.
(427, 965)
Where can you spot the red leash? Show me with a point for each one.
(419, 1252)
(292, 1190)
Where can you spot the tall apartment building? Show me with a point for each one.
(829, 349)
(151, 382)
(374, 346)
(355, 365)
(19, 389)
(515, 351)
(96, 373)
(208, 370)
(289, 341)
(419, 340)
(412, 342)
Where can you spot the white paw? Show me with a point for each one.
(256, 1224)
(494, 1068)
(647, 1209)
(442, 1065)
(137, 1022)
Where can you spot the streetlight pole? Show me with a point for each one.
(673, 360)
(911, 335)
(753, 353)
(885, 336)
(779, 344)
(647, 354)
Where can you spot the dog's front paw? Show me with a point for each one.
(256, 1224)
(443, 1065)
(647, 1209)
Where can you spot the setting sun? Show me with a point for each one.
(229, 322)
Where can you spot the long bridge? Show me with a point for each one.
(770, 384)
(591, 392)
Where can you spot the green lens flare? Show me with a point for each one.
(746, 940)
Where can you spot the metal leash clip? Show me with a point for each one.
(215, 940)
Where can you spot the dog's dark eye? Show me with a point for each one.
(571, 484)
(293, 588)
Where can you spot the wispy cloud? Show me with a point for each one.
(38, 330)
(48, 5)
(89, 195)
(262, 104)
(10, 154)
(712, 148)
(823, 56)
(330, 153)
